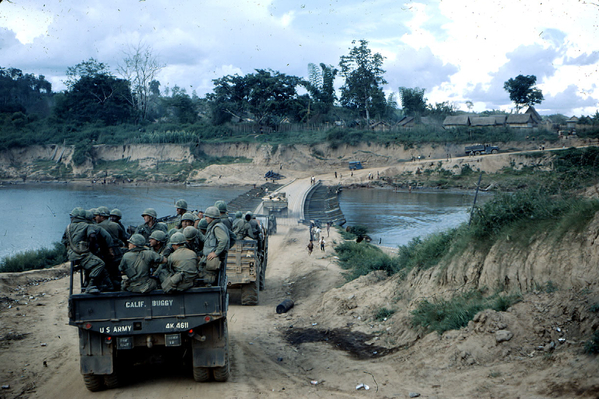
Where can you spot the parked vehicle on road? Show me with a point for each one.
(480, 149)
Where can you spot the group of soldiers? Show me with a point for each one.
(191, 253)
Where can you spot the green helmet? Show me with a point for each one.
(77, 212)
(150, 212)
(190, 232)
(95, 211)
(116, 212)
(89, 215)
(188, 216)
(203, 225)
(103, 211)
(238, 215)
(182, 204)
(221, 205)
(212, 212)
(138, 240)
(177, 239)
(158, 235)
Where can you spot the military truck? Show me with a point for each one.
(479, 149)
(117, 329)
(246, 267)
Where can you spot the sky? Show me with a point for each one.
(458, 50)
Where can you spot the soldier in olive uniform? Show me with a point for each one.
(182, 267)
(158, 243)
(181, 209)
(82, 239)
(118, 238)
(216, 245)
(243, 228)
(224, 217)
(137, 264)
(150, 224)
(192, 235)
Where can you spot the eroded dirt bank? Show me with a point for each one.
(174, 163)
(331, 341)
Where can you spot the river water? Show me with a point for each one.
(35, 215)
(395, 218)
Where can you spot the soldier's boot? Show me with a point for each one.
(106, 284)
(92, 286)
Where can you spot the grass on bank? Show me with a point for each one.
(35, 259)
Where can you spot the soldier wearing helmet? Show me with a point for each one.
(241, 227)
(224, 217)
(150, 224)
(137, 264)
(83, 241)
(216, 245)
(192, 235)
(157, 243)
(119, 238)
(182, 267)
(181, 209)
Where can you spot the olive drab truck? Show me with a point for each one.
(246, 267)
(480, 149)
(117, 329)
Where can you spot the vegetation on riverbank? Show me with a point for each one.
(34, 259)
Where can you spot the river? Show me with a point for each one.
(395, 218)
(35, 215)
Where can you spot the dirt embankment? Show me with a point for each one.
(54, 162)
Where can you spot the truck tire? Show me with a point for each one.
(201, 374)
(221, 374)
(494, 152)
(249, 293)
(93, 382)
(477, 153)
(263, 275)
(112, 380)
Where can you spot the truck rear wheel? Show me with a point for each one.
(112, 380)
(249, 293)
(477, 153)
(201, 374)
(262, 277)
(494, 152)
(221, 374)
(93, 382)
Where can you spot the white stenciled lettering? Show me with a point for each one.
(162, 302)
(118, 329)
(170, 325)
(134, 304)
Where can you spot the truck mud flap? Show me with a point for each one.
(212, 351)
(96, 355)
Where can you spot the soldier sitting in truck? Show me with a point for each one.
(136, 265)
(182, 267)
(150, 225)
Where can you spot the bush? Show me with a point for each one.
(35, 259)
(444, 315)
(423, 254)
(359, 259)
(383, 313)
(592, 346)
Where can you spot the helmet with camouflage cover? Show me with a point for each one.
(177, 239)
(150, 212)
(221, 205)
(203, 225)
(116, 212)
(77, 212)
(190, 232)
(138, 240)
(158, 235)
(238, 215)
(188, 216)
(89, 215)
(94, 211)
(212, 212)
(103, 211)
(181, 204)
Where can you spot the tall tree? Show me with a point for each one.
(522, 91)
(412, 100)
(320, 85)
(140, 67)
(24, 92)
(90, 68)
(363, 75)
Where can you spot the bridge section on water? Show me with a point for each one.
(322, 203)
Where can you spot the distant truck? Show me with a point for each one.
(355, 165)
(118, 329)
(246, 267)
(275, 203)
(479, 149)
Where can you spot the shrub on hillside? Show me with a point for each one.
(35, 259)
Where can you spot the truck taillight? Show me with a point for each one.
(108, 340)
(207, 318)
(87, 326)
(190, 333)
